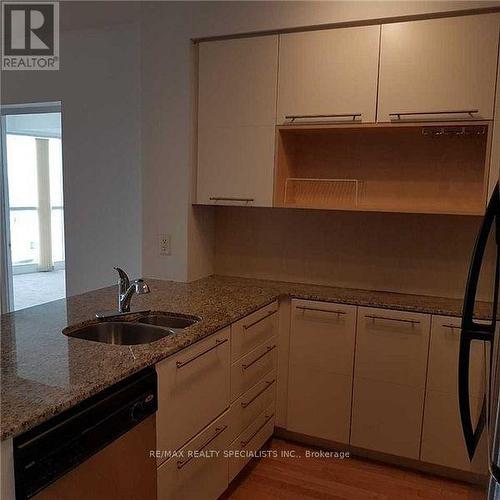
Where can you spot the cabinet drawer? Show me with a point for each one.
(249, 406)
(197, 377)
(392, 346)
(197, 472)
(247, 371)
(253, 330)
(443, 358)
(250, 441)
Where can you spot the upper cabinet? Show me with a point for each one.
(236, 119)
(435, 68)
(328, 73)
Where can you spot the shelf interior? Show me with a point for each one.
(429, 169)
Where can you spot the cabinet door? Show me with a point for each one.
(389, 381)
(439, 65)
(320, 369)
(442, 438)
(329, 72)
(196, 377)
(236, 118)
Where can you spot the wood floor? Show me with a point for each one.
(343, 479)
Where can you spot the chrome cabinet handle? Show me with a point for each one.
(451, 327)
(268, 350)
(218, 342)
(268, 384)
(469, 112)
(385, 318)
(270, 313)
(245, 442)
(220, 198)
(292, 118)
(218, 431)
(333, 311)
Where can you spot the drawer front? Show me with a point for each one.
(250, 441)
(197, 377)
(392, 346)
(251, 404)
(247, 371)
(200, 470)
(253, 330)
(443, 358)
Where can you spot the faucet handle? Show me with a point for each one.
(124, 279)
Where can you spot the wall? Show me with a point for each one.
(99, 86)
(169, 110)
(423, 254)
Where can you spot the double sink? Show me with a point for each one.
(132, 329)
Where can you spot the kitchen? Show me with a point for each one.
(301, 186)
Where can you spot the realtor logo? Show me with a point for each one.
(30, 36)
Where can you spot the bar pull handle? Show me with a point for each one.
(292, 118)
(218, 432)
(400, 320)
(270, 313)
(218, 342)
(267, 351)
(245, 442)
(268, 384)
(222, 198)
(317, 309)
(399, 114)
(451, 327)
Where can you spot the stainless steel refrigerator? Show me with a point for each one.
(489, 333)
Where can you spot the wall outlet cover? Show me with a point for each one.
(165, 244)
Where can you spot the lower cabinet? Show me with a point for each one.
(389, 381)
(442, 438)
(198, 471)
(193, 389)
(320, 369)
(248, 443)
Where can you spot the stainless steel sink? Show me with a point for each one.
(168, 320)
(119, 332)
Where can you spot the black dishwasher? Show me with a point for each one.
(60, 447)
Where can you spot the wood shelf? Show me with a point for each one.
(415, 168)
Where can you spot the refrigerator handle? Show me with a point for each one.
(472, 330)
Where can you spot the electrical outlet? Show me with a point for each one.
(165, 248)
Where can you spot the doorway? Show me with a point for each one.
(33, 259)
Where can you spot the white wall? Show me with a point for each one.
(99, 86)
(169, 105)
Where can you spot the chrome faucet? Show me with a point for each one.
(126, 290)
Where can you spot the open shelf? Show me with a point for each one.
(396, 168)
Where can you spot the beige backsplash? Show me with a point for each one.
(422, 254)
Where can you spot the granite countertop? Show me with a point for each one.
(43, 372)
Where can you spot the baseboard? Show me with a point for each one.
(406, 463)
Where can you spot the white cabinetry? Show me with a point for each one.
(236, 118)
(329, 72)
(438, 65)
(322, 337)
